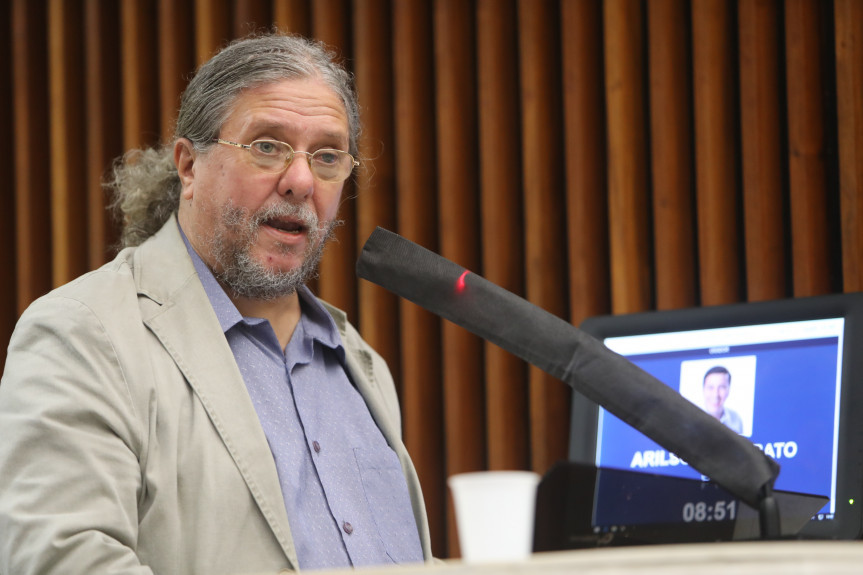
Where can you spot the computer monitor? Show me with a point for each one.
(786, 374)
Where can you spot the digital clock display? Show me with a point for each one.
(698, 512)
(628, 498)
(634, 508)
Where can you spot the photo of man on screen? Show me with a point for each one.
(715, 388)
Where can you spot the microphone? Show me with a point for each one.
(571, 355)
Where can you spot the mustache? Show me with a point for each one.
(303, 213)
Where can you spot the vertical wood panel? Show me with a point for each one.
(331, 23)
(545, 263)
(807, 166)
(716, 160)
(68, 162)
(671, 153)
(8, 288)
(627, 157)
(104, 130)
(458, 219)
(501, 209)
(176, 59)
(251, 16)
(32, 146)
(763, 197)
(338, 281)
(212, 27)
(585, 143)
(140, 77)
(849, 89)
(422, 397)
(375, 203)
(295, 16)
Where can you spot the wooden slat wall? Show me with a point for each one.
(293, 15)
(544, 208)
(672, 153)
(331, 24)
(32, 138)
(376, 187)
(585, 148)
(104, 114)
(849, 88)
(717, 157)
(762, 150)
(8, 157)
(415, 147)
(594, 156)
(458, 222)
(627, 156)
(501, 224)
(139, 71)
(808, 167)
(68, 163)
(174, 22)
(212, 25)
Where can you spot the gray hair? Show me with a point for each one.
(145, 183)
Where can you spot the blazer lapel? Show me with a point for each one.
(180, 315)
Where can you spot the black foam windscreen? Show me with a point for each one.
(567, 353)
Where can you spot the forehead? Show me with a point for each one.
(288, 106)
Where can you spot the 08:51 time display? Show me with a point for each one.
(701, 511)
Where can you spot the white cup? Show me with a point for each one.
(494, 513)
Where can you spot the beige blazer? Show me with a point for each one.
(128, 442)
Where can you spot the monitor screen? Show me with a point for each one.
(783, 374)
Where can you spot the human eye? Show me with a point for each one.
(327, 157)
(268, 147)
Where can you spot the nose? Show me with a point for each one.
(297, 180)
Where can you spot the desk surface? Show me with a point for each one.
(755, 558)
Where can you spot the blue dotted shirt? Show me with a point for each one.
(345, 492)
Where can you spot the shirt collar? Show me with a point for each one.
(318, 324)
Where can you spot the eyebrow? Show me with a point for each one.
(272, 126)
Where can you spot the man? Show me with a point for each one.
(715, 387)
(191, 407)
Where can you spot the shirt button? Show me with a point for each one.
(316, 446)
(348, 527)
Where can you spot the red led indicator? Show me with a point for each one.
(459, 283)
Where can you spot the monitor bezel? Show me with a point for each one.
(848, 521)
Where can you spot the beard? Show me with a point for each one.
(231, 245)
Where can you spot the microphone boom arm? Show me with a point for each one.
(570, 354)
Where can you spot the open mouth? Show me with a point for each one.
(286, 225)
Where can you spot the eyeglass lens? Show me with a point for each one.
(326, 164)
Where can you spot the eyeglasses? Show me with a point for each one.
(326, 164)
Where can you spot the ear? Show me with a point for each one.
(184, 159)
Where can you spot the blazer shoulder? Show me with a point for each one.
(98, 288)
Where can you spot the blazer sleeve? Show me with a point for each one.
(71, 448)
